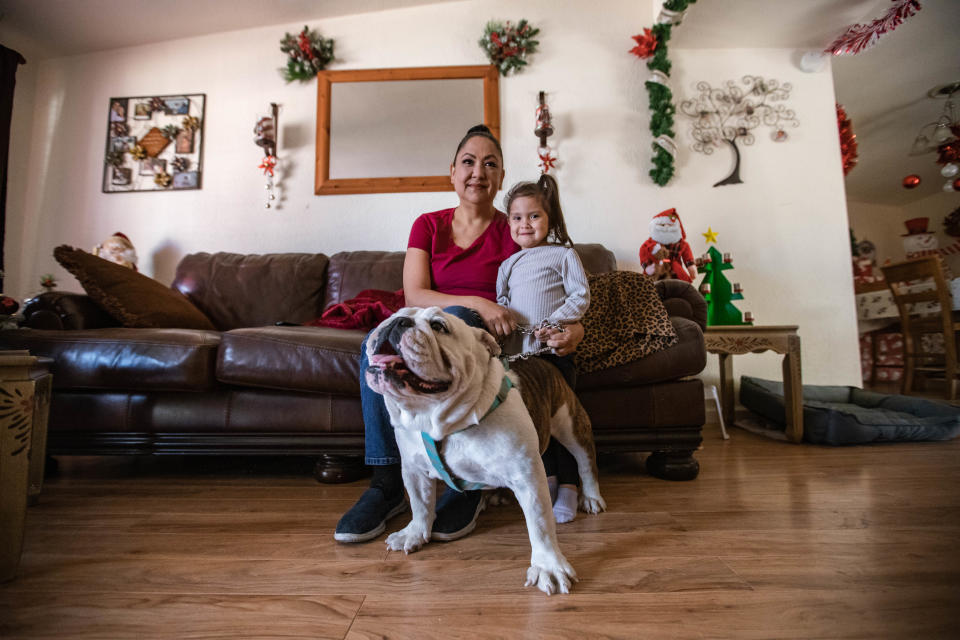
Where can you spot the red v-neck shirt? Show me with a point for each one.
(463, 272)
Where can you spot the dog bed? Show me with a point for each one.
(848, 415)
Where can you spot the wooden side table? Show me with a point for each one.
(728, 341)
(25, 385)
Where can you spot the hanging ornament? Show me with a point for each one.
(307, 54)
(949, 170)
(507, 46)
(948, 186)
(547, 159)
(848, 140)
(268, 164)
(265, 137)
(860, 37)
(956, 184)
(912, 181)
(543, 130)
(948, 152)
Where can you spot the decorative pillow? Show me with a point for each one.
(132, 298)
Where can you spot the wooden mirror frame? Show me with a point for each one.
(325, 186)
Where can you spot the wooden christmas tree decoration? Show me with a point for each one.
(718, 292)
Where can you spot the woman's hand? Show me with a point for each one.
(563, 342)
(499, 320)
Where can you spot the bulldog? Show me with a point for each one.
(450, 398)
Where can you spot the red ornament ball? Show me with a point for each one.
(911, 181)
(956, 184)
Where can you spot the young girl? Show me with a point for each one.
(544, 282)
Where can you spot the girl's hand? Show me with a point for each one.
(563, 342)
(499, 320)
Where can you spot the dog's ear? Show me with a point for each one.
(488, 341)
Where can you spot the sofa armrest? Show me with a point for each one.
(63, 310)
(682, 299)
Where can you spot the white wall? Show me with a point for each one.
(786, 226)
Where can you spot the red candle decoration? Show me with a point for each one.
(911, 181)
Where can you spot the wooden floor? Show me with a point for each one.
(773, 540)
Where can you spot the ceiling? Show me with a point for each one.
(882, 89)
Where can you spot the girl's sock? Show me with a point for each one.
(565, 506)
(552, 485)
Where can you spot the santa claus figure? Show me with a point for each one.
(118, 248)
(666, 254)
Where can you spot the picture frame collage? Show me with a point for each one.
(154, 143)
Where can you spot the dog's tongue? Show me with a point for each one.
(385, 360)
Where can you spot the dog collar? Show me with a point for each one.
(430, 445)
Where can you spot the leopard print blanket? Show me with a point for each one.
(626, 321)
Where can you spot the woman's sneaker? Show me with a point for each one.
(367, 519)
(457, 514)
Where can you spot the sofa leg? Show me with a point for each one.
(673, 465)
(332, 468)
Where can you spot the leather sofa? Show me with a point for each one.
(255, 388)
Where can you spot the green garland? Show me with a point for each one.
(661, 98)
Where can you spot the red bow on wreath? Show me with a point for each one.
(269, 162)
(646, 44)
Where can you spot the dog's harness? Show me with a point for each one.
(430, 445)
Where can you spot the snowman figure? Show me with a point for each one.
(917, 241)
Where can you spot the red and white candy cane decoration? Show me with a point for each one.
(543, 130)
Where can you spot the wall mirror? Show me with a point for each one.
(395, 130)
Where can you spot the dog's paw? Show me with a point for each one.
(409, 539)
(550, 581)
(592, 504)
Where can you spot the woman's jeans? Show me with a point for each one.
(380, 444)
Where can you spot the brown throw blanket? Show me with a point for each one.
(626, 321)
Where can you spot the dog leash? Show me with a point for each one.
(430, 445)
(530, 329)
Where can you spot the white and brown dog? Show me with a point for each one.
(443, 384)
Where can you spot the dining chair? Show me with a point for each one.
(923, 298)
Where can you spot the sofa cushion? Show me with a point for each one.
(314, 359)
(130, 297)
(236, 290)
(122, 358)
(351, 272)
(687, 357)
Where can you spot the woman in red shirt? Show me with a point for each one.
(452, 260)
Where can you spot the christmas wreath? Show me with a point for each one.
(507, 46)
(653, 44)
(307, 53)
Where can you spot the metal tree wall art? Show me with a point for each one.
(730, 113)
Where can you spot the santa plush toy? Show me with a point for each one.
(118, 248)
(666, 254)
